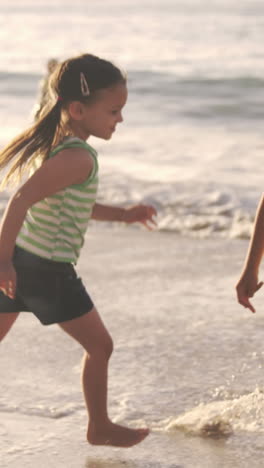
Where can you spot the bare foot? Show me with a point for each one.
(113, 434)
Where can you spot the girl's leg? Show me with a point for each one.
(91, 333)
(6, 322)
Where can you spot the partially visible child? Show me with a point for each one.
(44, 87)
(44, 225)
(249, 282)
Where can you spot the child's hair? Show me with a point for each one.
(76, 79)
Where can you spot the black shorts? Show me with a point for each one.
(51, 290)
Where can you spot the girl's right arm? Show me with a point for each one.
(10, 225)
(248, 283)
(66, 168)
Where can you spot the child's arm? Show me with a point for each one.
(249, 283)
(135, 214)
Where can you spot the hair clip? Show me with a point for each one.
(84, 85)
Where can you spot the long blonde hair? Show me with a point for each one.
(75, 79)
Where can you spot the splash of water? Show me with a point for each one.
(223, 418)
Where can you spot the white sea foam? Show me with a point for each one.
(198, 212)
(41, 410)
(222, 418)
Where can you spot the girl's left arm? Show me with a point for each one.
(136, 214)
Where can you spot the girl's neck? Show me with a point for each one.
(74, 129)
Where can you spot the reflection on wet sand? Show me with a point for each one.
(110, 463)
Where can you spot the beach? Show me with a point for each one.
(188, 359)
(170, 305)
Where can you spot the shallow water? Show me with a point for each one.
(188, 361)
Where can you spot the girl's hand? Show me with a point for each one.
(8, 279)
(141, 214)
(246, 287)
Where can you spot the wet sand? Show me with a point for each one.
(125, 270)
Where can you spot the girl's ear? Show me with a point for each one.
(75, 110)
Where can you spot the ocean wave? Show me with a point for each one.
(200, 215)
(43, 411)
(190, 96)
(200, 97)
(198, 211)
(145, 81)
(235, 225)
(19, 83)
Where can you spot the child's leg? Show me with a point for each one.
(91, 333)
(6, 322)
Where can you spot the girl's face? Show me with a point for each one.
(101, 117)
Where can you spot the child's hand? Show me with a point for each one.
(8, 279)
(141, 214)
(246, 287)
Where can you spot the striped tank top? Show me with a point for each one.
(54, 228)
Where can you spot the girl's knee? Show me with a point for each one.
(102, 347)
(91, 333)
(108, 346)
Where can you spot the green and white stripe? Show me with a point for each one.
(55, 227)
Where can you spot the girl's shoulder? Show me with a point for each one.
(72, 142)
